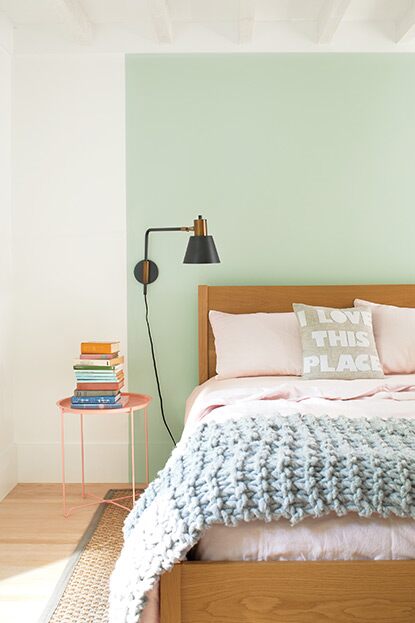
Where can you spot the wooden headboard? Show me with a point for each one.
(249, 299)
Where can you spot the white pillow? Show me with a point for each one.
(258, 344)
(394, 329)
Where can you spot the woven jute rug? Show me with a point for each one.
(81, 595)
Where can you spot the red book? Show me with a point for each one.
(100, 385)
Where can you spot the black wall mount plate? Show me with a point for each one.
(153, 271)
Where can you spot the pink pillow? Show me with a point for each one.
(394, 330)
(256, 344)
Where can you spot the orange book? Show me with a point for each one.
(99, 348)
(94, 386)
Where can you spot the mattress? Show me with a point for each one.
(327, 538)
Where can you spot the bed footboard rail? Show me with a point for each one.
(289, 592)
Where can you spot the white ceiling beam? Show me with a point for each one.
(80, 24)
(160, 15)
(405, 28)
(331, 14)
(246, 21)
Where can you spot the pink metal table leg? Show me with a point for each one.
(81, 416)
(63, 461)
(146, 436)
(132, 452)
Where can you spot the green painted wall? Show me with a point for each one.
(304, 166)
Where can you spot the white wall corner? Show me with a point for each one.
(6, 34)
(8, 470)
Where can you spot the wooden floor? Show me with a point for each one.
(35, 543)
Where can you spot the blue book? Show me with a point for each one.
(96, 375)
(117, 405)
(92, 400)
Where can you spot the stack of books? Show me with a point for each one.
(99, 376)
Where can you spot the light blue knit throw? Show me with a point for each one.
(262, 467)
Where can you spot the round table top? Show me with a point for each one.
(130, 402)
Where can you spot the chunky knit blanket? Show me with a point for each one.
(262, 467)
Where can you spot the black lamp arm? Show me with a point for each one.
(146, 271)
(152, 229)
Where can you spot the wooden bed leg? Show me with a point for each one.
(170, 596)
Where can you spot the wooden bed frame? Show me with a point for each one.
(287, 592)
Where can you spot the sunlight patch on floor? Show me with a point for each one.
(24, 596)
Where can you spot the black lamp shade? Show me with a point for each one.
(201, 250)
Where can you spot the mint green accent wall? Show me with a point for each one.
(303, 165)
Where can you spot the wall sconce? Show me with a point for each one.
(201, 249)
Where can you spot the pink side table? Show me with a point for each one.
(130, 403)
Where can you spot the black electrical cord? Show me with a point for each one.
(156, 374)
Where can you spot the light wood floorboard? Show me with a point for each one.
(35, 544)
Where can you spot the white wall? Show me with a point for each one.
(69, 252)
(7, 448)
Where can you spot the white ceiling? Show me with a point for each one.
(124, 11)
(210, 25)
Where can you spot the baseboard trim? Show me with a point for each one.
(104, 462)
(8, 470)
